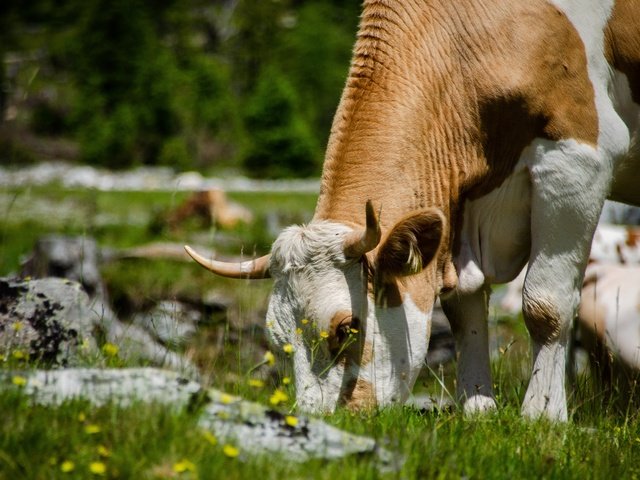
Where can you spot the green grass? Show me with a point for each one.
(148, 442)
(602, 441)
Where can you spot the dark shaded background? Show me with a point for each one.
(248, 86)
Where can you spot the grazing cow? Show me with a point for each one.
(471, 137)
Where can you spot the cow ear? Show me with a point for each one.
(412, 243)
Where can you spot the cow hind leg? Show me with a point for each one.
(467, 313)
(569, 184)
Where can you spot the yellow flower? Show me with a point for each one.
(256, 383)
(210, 437)
(67, 466)
(269, 358)
(19, 381)
(110, 350)
(230, 451)
(304, 321)
(298, 331)
(288, 348)
(278, 397)
(353, 330)
(17, 326)
(184, 466)
(324, 334)
(92, 429)
(286, 381)
(269, 324)
(82, 417)
(291, 420)
(226, 398)
(19, 355)
(97, 468)
(103, 451)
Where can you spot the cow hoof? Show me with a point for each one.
(477, 404)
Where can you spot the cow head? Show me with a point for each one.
(356, 311)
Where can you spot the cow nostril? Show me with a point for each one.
(355, 323)
(343, 332)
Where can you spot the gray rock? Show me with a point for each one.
(255, 428)
(259, 429)
(54, 321)
(73, 258)
(100, 386)
(49, 319)
(170, 322)
(137, 345)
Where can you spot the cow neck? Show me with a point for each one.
(397, 137)
(433, 112)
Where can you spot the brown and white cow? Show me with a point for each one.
(480, 135)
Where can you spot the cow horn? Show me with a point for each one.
(360, 242)
(253, 269)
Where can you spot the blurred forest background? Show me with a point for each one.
(244, 86)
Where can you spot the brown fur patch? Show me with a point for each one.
(388, 294)
(542, 319)
(622, 42)
(359, 395)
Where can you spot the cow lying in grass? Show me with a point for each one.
(480, 135)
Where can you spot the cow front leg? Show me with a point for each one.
(467, 314)
(569, 185)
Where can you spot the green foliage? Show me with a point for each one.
(281, 144)
(125, 80)
(316, 53)
(143, 441)
(178, 82)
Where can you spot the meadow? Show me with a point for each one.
(602, 439)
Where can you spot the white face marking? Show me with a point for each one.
(313, 282)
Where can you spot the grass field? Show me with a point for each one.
(78, 441)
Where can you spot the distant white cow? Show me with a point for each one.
(480, 135)
(609, 321)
